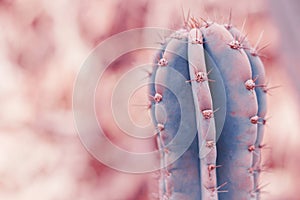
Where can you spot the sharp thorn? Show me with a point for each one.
(259, 39)
(243, 26)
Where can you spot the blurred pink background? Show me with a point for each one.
(44, 43)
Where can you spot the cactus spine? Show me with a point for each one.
(195, 66)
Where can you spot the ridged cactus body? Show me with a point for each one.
(238, 131)
(208, 83)
(258, 74)
(167, 112)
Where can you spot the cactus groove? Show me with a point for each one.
(210, 72)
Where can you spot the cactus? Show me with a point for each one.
(208, 84)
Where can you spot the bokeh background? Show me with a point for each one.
(42, 47)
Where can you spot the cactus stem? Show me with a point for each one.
(246, 128)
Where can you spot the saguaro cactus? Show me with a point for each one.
(212, 73)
